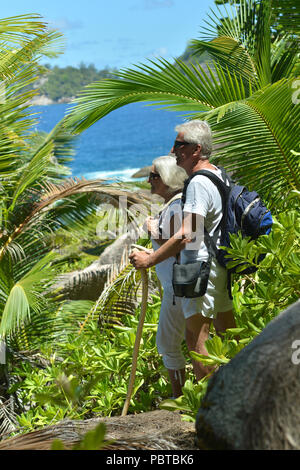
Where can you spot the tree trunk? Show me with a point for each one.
(253, 402)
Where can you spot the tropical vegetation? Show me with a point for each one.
(73, 358)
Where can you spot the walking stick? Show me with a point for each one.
(144, 276)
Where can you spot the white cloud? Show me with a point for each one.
(64, 24)
(151, 4)
(160, 52)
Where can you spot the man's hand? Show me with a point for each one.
(140, 259)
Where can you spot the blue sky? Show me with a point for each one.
(117, 33)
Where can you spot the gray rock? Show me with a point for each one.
(143, 172)
(253, 402)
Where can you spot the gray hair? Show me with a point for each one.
(197, 132)
(171, 174)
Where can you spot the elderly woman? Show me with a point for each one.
(166, 180)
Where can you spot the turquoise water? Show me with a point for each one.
(119, 144)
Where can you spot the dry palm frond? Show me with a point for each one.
(8, 419)
(52, 193)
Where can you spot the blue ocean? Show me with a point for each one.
(119, 144)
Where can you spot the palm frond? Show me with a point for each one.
(52, 193)
(231, 56)
(22, 38)
(54, 324)
(175, 87)
(60, 153)
(162, 82)
(32, 172)
(259, 151)
(284, 58)
(286, 15)
(242, 41)
(8, 416)
(25, 295)
(263, 42)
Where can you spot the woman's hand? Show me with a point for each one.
(140, 259)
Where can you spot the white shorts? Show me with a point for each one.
(171, 331)
(216, 298)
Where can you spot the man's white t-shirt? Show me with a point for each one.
(202, 198)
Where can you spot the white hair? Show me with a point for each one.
(197, 132)
(171, 174)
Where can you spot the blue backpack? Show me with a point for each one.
(243, 210)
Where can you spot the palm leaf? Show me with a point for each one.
(52, 193)
(8, 417)
(259, 151)
(176, 87)
(56, 323)
(121, 294)
(242, 41)
(284, 58)
(25, 295)
(286, 15)
(162, 82)
(21, 38)
(32, 172)
(263, 42)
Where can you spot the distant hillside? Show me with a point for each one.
(189, 56)
(61, 84)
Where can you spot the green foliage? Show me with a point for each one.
(88, 374)
(81, 370)
(259, 298)
(190, 400)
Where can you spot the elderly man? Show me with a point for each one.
(203, 207)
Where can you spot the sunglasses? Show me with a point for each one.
(179, 143)
(153, 176)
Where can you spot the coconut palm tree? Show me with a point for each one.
(35, 197)
(246, 95)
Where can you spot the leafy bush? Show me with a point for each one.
(257, 299)
(88, 374)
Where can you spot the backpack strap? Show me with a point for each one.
(224, 190)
